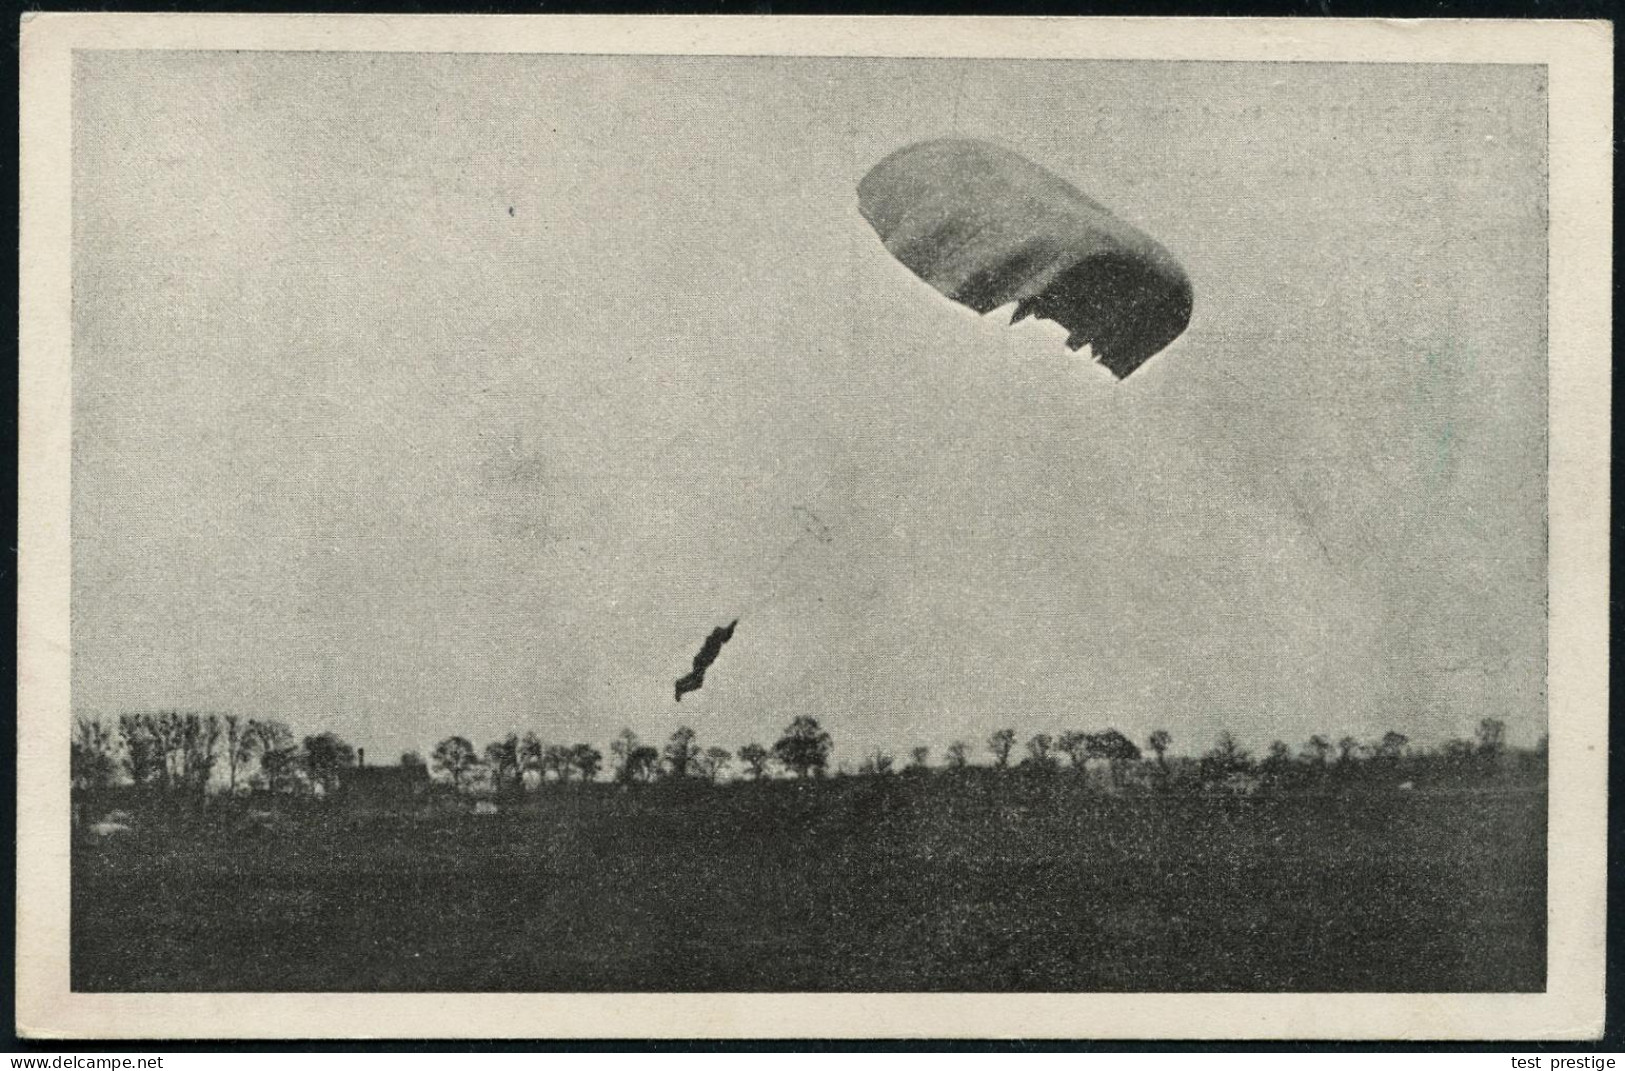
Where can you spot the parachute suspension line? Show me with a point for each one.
(773, 593)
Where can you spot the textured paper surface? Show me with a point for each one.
(1576, 58)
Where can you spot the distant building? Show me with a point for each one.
(384, 786)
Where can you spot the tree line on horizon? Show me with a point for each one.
(189, 753)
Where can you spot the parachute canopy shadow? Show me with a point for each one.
(986, 227)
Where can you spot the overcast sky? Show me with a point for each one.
(428, 394)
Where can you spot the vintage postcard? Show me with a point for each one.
(749, 527)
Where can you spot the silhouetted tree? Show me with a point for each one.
(1459, 753)
(681, 751)
(141, 757)
(755, 757)
(958, 755)
(455, 757)
(170, 749)
(1116, 749)
(876, 763)
(643, 763)
(1348, 749)
(1075, 746)
(622, 747)
(713, 765)
(273, 742)
(559, 760)
(1491, 737)
(92, 759)
(1039, 757)
(531, 754)
(1276, 768)
(326, 756)
(586, 759)
(1226, 758)
(166, 731)
(1158, 743)
(804, 748)
(239, 750)
(1317, 750)
(505, 761)
(200, 750)
(1000, 744)
(919, 758)
(1392, 746)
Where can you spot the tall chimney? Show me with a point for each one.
(361, 756)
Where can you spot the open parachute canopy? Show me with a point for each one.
(987, 227)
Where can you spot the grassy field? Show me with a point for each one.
(880, 884)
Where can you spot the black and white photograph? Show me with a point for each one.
(725, 521)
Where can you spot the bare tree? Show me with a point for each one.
(681, 751)
(755, 757)
(560, 760)
(1276, 768)
(1039, 753)
(141, 758)
(586, 759)
(93, 754)
(1158, 743)
(713, 764)
(1459, 752)
(644, 763)
(1318, 750)
(167, 732)
(623, 747)
(506, 764)
(919, 758)
(876, 763)
(958, 755)
(239, 748)
(1000, 744)
(272, 741)
(200, 750)
(531, 753)
(455, 757)
(169, 749)
(1226, 758)
(1075, 746)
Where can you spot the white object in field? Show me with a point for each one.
(1407, 786)
(108, 828)
(485, 807)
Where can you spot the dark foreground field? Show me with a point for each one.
(858, 884)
